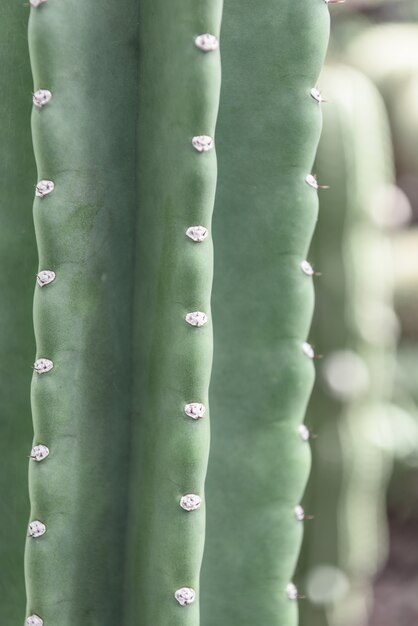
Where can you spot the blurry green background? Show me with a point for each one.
(359, 562)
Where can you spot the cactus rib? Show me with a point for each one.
(268, 131)
(85, 147)
(18, 268)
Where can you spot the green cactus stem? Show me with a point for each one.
(386, 53)
(173, 325)
(18, 270)
(84, 137)
(265, 213)
(346, 543)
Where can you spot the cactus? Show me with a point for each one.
(405, 128)
(173, 327)
(354, 324)
(18, 268)
(85, 145)
(125, 104)
(267, 135)
(386, 54)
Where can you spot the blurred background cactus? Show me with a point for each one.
(177, 192)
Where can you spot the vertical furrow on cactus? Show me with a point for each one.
(179, 79)
(267, 135)
(18, 269)
(85, 55)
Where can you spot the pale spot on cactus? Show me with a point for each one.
(326, 584)
(196, 318)
(304, 433)
(197, 233)
(195, 410)
(334, 1)
(206, 42)
(291, 591)
(41, 97)
(312, 182)
(39, 453)
(36, 3)
(34, 620)
(345, 374)
(299, 513)
(45, 277)
(43, 188)
(202, 143)
(36, 529)
(190, 502)
(41, 366)
(185, 596)
(308, 350)
(307, 268)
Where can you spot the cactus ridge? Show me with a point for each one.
(267, 134)
(84, 140)
(173, 339)
(18, 268)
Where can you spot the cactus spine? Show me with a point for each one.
(267, 135)
(18, 269)
(355, 323)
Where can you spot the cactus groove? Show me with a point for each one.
(18, 269)
(124, 113)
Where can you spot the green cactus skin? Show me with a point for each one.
(267, 135)
(85, 53)
(173, 277)
(18, 269)
(355, 155)
(386, 53)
